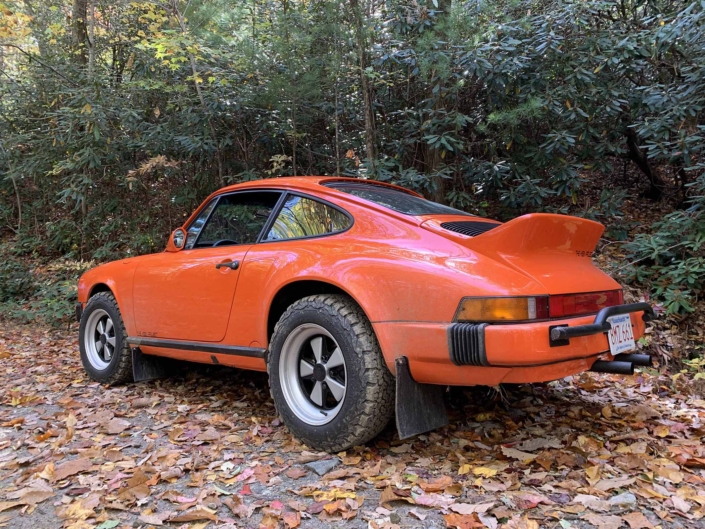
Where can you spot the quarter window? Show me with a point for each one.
(237, 219)
(304, 217)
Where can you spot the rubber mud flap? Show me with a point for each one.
(419, 407)
(148, 367)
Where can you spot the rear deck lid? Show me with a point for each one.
(555, 250)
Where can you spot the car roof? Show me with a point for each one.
(312, 184)
(306, 183)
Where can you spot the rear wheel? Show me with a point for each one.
(327, 375)
(102, 340)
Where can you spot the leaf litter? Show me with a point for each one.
(206, 449)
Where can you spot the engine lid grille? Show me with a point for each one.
(469, 228)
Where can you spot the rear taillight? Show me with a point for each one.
(583, 303)
(503, 309)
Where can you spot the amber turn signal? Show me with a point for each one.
(502, 309)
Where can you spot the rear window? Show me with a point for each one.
(394, 199)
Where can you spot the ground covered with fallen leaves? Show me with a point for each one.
(206, 449)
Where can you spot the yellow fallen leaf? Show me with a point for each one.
(662, 431)
(331, 495)
(484, 472)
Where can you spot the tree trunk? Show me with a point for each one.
(365, 85)
(91, 38)
(293, 137)
(433, 155)
(80, 30)
(656, 183)
(337, 128)
(37, 29)
(199, 93)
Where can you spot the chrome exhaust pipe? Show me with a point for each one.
(636, 359)
(614, 367)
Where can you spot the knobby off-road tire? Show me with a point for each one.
(111, 362)
(368, 402)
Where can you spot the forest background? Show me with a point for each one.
(117, 118)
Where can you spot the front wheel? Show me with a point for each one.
(102, 340)
(328, 378)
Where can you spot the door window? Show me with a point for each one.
(304, 217)
(237, 219)
(198, 223)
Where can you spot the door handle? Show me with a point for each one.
(233, 265)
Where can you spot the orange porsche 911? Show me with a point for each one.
(360, 299)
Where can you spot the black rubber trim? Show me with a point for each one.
(199, 347)
(600, 324)
(466, 344)
(79, 312)
(280, 206)
(557, 343)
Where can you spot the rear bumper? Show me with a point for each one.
(467, 354)
(560, 335)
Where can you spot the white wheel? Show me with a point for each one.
(99, 339)
(102, 340)
(313, 375)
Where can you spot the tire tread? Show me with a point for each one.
(123, 370)
(377, 406)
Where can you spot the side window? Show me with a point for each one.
(237, 219)
(197, 224)
(303, 217)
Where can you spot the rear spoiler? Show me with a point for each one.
(539, 233)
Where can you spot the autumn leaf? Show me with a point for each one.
(70, 468)
(463, 521)
(296, 473)
(637, 520)
(436, 484)
(518, 454)
(292, 519)
(198, 513)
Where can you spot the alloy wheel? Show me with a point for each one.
(313, 374)
(99, 339)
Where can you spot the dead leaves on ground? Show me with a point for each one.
(207, 450)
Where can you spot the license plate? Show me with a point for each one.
(621, 337)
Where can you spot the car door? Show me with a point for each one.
(188, 295)
(294, 241)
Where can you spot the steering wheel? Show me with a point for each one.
(223, 241)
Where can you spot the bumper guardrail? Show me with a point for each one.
(561, 334)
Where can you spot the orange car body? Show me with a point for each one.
(406, 272)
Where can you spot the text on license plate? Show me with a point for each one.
(620, 337)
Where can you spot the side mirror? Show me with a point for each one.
(176, 241)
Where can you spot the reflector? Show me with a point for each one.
(583, 303)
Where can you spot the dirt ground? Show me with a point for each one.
(205, 449)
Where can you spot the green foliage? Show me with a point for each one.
(696, 366)
(671, 258)
(16, 281)
(108, 142)
(46, 293)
